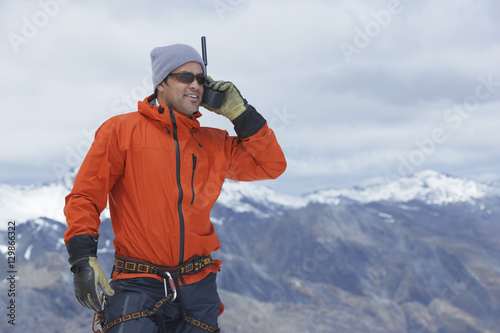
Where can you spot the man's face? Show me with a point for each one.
(185, 98)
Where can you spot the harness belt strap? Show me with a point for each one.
(147, 313)
(99, 316)
(202, 325)
(132, 265)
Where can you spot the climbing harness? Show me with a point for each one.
(170, 283)
(132, 265)
(99, 317)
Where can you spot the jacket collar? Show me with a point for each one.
(153, 112)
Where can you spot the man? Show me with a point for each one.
(162, 173)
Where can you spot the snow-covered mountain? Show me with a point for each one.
(23, 203)
(427, 186)
(418, 254)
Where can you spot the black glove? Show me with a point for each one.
(87, 276)
(87, 273)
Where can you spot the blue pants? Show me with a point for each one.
(199, 301)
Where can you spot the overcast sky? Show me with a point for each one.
(356, 91)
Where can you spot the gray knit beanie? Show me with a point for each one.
(165, 59)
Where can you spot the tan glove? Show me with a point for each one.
(233, 104)
(87, 276)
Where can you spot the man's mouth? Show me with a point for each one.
(192, 96)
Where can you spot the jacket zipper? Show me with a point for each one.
(199, 144)
(192, 177)
(179, 187)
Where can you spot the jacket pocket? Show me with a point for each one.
(192, 178)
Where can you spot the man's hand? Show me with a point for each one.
(87, 276)
(233, 104)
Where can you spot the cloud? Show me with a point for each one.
(340, 117)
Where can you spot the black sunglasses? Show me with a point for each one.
(188, 77)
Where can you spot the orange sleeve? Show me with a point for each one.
(257, 157)
(100, 169)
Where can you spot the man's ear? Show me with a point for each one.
(160, 87)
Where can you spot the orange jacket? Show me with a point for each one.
(163, 173)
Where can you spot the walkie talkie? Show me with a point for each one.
(211, 97)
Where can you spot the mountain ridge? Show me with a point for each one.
(347, 260)
(47, 200)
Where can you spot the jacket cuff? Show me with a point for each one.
(248, 123)
(81, 246)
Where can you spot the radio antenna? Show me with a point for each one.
(204, 50)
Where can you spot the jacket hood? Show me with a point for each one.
(153, 112)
